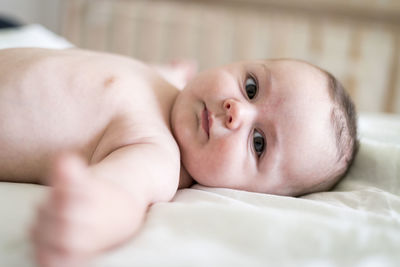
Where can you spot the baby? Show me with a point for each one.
(113, 137)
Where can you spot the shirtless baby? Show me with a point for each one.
(112, 137)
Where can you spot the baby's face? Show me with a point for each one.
(260, 126)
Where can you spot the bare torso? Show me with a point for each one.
(51, 101)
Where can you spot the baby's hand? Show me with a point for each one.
(178, 72)
(82, 216)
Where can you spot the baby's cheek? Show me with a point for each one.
(221, 157)
(216, 164)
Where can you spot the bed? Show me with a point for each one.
(356, 224)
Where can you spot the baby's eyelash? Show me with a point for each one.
(251, 86)
(259, 142)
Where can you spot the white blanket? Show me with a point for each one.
(356, 224)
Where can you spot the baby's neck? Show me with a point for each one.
(185, 180)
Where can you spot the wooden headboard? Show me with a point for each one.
(357, 41)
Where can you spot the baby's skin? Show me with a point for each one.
(108, 133)
(95, 127)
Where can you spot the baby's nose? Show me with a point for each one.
(234, 111)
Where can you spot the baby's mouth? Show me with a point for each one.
(205, 121)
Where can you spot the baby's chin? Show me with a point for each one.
(203, 178)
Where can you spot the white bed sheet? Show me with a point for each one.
(356, 224)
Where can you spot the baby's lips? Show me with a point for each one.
(210, 121)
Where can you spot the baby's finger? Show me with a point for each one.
(63, 202)
(42, 228)
(51, 227)
(63, 236)
(67, 171)
(38, 221)
(68, 179)
(46, 257)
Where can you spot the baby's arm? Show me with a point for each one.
(93, 208)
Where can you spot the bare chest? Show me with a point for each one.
(70, 103)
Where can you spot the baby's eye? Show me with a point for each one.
(251, 87)
(258, 142)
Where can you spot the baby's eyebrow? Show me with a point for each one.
(266, 70)
(267, 77)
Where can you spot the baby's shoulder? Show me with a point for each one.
(152, 141)
(140, 124)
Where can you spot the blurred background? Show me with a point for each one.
(356, 40)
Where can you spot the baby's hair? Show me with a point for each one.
(344, 122)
